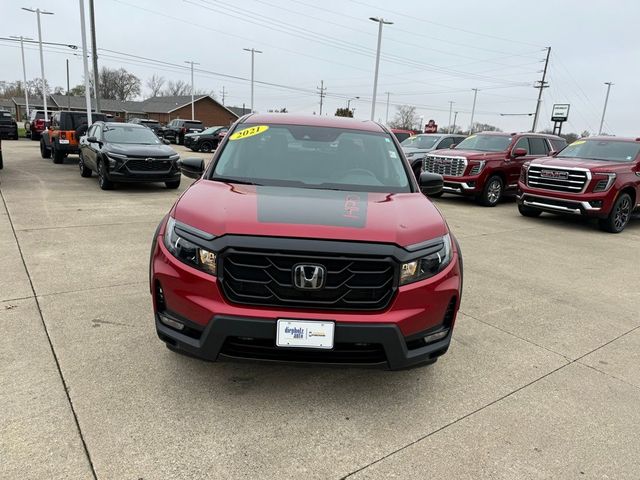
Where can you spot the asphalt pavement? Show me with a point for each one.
(542, 379)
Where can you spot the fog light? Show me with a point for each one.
(439, 335)
(170, 322)
(596, 203)
(471, 184)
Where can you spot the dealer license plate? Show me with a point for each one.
(304, 334)
(61, 141)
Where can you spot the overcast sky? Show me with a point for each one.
(434, 53)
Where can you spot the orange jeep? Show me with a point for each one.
(63, 134)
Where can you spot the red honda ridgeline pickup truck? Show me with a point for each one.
(598, 177)
(306, 239)
(487, 165)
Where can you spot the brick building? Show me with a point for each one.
(207, 110)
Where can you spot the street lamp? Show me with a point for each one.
(24, 70)
(253, 52)
(192, 63)
(604, 110)
(38, 12)
(349, 102)
(381, 21)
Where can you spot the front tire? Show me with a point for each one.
(619, 216)
(44, 151)
(172, 185)
(206, 146)
(529, 211)
(103, 182)
(492, 192)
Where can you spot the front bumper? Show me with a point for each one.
(8, 131)
(596, 205)
(215, 327)
(460, 185)
(189, 142)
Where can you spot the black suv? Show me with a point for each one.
(205, 141)
(8, 126)
(177, 129)
(147, 122)
(125, 152)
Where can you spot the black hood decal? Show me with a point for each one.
(312, 207)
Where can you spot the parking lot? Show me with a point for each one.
(542, 379)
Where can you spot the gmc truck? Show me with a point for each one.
(487, 165)
(596, 177)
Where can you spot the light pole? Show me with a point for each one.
(604, 110)
(253, 52)
(37, 11)
(455, 119)
(85, 65)
(386, 118)
(381, 21)
(349, 102)
(192, 63)
(24, 71)
(450, 111)
(473, 109)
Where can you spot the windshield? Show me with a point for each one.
(608, 150)
(130, 135)
(485, 143)
(312, 157)
(5, 115)
(421, 141)
(149, 122)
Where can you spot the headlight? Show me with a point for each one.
(429, 265)
(605, 184)
(189, 252)
(174, 157)
(119, 156)
(523, 172)
(476, 168)
(196, 138)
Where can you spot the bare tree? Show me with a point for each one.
(118, 84)
(405, 117)
(176, 88)
(155, 84)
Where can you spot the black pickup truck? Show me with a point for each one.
(8, 126)
(177, 129)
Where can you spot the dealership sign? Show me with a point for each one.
(560, 112)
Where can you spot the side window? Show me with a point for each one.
(447, 142)
(538, 146)
(558, 145)
(523, 143)
(92, 131)
(98, 132)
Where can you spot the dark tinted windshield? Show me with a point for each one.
(149, 122)
(609, 150)
(5, 115)
(421, 141)
(130, 135)
(313, 157)
(485, 143)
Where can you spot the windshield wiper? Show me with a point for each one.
(234, 180)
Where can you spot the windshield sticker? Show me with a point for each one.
(392, 154)
(578, 142)
(249, 132)
(387, 140)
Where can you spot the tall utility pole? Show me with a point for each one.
(386, 121)
(223, 92)
(604, 110)
(85, 64)
(473, 109)
(94, 54)
(24, 71)
(455, 119)
(253, 52)
(321, 90)
(381, 21)
(68, 97)
(541, 85)
(193, 108)
(450, 111)
(37, 11)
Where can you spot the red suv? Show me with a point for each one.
(487, 165)
(597, 177)
(306, 239)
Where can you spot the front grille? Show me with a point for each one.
(265, 349)
(449, 166)
(557, 179)
(149, 165)
(266, 278)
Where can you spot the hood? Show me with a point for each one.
(471, 154)
(219, 208)
(579, 163)
(160, 150)
(408, 150)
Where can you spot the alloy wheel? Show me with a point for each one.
(494, 191)
(622, 213)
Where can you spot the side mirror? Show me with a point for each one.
(553, 153)
(518, 152)
(166, 142)
(431, 183)
(453, 145)
(192, 167)
(92, 140)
